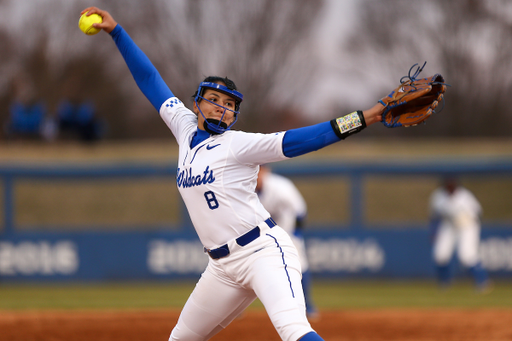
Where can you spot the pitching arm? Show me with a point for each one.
(145, 74)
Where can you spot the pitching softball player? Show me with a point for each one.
(250, 256)
(455, 223)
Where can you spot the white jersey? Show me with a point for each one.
(217, 178)
(285, 204)
(283, 201)
(461, 210)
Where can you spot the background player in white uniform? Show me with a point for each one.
(455, 222)
(283, 201)
(217, 172)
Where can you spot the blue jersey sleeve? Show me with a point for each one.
(308, 139)
(145, 74)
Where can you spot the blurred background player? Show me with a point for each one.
(455, 224)
(288, 208)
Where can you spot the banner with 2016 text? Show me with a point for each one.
(143, 256)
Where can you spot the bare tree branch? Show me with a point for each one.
(467, 41)
(262, 45)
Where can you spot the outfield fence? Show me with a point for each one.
(117, 222)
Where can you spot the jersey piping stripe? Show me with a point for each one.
(185, 158)
(284, 262)
(196, 152)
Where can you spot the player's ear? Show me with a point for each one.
(196, 109)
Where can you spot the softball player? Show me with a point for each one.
(455, 223)
(287, 207)
(250, 256)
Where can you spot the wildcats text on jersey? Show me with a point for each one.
(186, 178)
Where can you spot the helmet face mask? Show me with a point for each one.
(217, 126)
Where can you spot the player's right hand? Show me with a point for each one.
(108, 23)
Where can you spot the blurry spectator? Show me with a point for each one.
(27, 114)
(78, 119)
(455, 224)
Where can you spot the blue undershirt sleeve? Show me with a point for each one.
(308, 139)
(145, 74)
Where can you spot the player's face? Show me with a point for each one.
(215, 107)
(450, 185)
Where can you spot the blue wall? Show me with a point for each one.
(355, 251)
(116, 256)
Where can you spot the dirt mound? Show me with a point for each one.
(354, 325)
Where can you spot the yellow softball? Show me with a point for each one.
(85, 23)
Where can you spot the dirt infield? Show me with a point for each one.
(354, 325)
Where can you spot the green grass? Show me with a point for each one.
(327, 295)
(94, 296)
(408, 294)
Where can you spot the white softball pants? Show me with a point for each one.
(466, 241)
(267, 268)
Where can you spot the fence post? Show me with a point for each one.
(8, 205)
(356, 199)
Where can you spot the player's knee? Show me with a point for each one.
(468, 261)
(441, 259)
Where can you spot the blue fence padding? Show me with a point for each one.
(399, 167)
(356, 251)
(163, 255)
(289, 168)
(90, 171)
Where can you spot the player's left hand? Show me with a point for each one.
(414, 100)
(108, 23)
